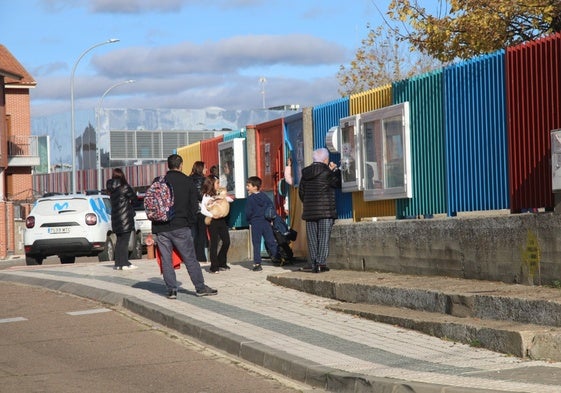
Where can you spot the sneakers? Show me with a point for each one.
(257, 267)
(172, 294)
(117, 268)
(129, 267)
(206, 291)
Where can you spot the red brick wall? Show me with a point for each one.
(18, 180)
(19, 109)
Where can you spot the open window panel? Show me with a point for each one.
(387, 154)
(232, 172)
(556, 160)
(350, 149)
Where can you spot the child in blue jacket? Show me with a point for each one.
(255, 207)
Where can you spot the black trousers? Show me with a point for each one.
(200, 239)
(218, 229)
(122, 249)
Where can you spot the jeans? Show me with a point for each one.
(182, 241)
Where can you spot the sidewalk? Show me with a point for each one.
(294, 333)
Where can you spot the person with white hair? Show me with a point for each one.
(317, 193)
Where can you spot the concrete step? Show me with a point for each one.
(519, 320)
(517, 339)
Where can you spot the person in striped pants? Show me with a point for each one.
(317, 193)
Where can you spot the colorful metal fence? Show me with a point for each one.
(480, 136)
(475, 123)
(533, 75)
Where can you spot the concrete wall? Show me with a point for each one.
(523, 248)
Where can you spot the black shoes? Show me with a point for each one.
(257, 267)
(225, 267)
(206, 291)
(319, 269)
(172, 294)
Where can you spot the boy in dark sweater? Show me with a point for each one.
(255, 207)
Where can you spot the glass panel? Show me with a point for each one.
(227, 168)
(373, 157)
(394, 152)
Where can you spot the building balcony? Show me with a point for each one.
(23, 151)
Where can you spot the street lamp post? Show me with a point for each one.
(72, 125)
(98, 130)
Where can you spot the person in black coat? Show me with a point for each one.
(122, 216)
(317, 193)
(198, 230)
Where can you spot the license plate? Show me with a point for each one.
(59, 230)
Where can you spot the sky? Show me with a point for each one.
(189, 54)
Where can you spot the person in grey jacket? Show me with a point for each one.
(122, 217)
(317, 193)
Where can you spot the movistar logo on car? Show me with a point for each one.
(61, 206)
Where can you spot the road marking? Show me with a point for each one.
(16, 319)
(86, 312)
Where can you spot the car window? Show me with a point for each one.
(57, 206)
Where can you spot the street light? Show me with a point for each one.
(72, 125)
(98, 130)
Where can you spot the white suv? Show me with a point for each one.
(142, 223)
(72, 226)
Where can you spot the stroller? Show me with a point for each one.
(283, 235)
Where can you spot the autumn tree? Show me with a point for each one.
(467, 28)
(381, 59)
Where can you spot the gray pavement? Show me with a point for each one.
(294, 333)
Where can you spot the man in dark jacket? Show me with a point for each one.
(317, 193)
(176, 234)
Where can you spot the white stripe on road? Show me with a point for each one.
(16, 319)
(86, 312)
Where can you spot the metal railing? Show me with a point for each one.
(23, 146)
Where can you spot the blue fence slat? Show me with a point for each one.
(475, 128)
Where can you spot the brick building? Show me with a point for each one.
(18, 148)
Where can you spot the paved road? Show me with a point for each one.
(293, 333)
(56, 342)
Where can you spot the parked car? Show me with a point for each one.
(143, 224)
(72, 226)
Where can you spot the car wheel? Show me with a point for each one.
(67, 259)
(136, 252)
(30, 260)
(109, 253)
